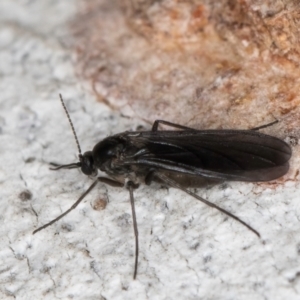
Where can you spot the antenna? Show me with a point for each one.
(70, 121)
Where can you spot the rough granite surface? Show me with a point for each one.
(187, 250)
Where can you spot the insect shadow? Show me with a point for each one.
(180, 158)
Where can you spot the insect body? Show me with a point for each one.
(181, 158)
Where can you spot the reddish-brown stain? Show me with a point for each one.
(218, 66)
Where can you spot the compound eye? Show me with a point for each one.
(87, 164)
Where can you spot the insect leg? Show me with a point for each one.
(157, 122)
(149, 177)
(265, 126)
(110, 182)
(67, 211)
(69, 166)
(173, 183)
(131, 186)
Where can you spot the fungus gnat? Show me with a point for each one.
(180, 158)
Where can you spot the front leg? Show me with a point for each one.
(110, 182)
(68, 166)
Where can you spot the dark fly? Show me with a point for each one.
(181, 158)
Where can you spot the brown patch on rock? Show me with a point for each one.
(224, 64)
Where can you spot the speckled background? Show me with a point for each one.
(225, 65)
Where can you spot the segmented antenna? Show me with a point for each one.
(70, 121)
